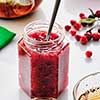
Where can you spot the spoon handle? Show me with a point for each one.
(53, 18)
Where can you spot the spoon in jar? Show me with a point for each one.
(57, 3)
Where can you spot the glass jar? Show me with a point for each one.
(17, 8)
(43, 65)
(88, 88)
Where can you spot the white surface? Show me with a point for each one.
(75, 6)
(78, 66)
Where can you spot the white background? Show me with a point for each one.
(79, 66)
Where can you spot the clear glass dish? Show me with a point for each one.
(88, 88)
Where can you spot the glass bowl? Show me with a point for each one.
(86, 84)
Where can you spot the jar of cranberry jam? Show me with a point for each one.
(43, 65)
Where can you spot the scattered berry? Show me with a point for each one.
(72, 22)
(67, 27)
(95, 36)
(99, 30)
(88, 54)
(77, 26)
(82, 16)
(88, 35)
(73, 32)
(83, 40)
(97, 14)
(77, 37)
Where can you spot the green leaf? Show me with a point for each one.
(88, 20)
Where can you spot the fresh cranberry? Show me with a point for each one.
(99, 30)
(67, 27)
(83, 40)
(73, 32)
(72, 22)
(43, 34)
(97, 13)
(88, 54)
(77, 37)
(88, 35)
(95, 36)
(77, 26)
(82, 16)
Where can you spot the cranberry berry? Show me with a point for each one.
(88, 35)
(77, 26)
(88, 54)
(97, 14)
(73, 32)
(72, 22)
(53, 36)
(82, 16)
(83, 40)
(77, 37)
(67, 27)
(95, 36)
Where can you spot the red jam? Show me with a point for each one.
(41, 35)
(43, 73)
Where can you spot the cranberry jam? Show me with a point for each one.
(43, 65)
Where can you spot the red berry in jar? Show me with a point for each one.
(73, 32)
(67, 27)
(83, 40)
(95, 36)
(77, 37)
(77, 26)
(88, 54)
(97, 14)
(53, 36)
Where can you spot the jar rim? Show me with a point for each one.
(40, 22)
(78, 83)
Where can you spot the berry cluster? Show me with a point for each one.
(85, 22)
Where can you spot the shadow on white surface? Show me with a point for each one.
(64, 95)
(23, 96)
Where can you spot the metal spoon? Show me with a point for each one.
(57, 3)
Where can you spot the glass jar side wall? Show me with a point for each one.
(48, 72)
